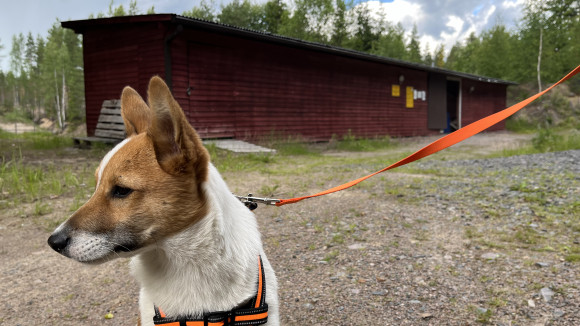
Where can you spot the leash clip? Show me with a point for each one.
(252, 202)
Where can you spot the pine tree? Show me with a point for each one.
(242, 14)
(275, 14)
(340, 23)
(413, 47)
(203, 11)
(427, 57)
(439, 59)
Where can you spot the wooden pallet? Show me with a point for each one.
(110, 127)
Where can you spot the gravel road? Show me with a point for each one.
(440, 242)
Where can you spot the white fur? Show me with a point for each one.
(211, 266)
(107, 158)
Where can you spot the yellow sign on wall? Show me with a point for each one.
(396, 90)
(410, 102)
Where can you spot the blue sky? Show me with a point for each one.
(442, 21)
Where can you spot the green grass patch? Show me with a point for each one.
(521, 126)
(352, 143)
(22, 182)
(573, 258)
(16, 116)
(545, 140)
(41, 140)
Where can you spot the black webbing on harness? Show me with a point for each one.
(255, 312)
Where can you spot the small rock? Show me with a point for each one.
(356, 246)
(308, 306)
(558, 313)
(547, 294)
(542, 264)
(481, 310)
(380, 293)
(426, 315)
(415, 301)
(490, 256)
(531, 303)
(355, 291)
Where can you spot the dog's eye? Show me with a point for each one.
(121, 192)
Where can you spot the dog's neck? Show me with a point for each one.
(211, 266)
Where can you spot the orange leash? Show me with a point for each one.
(442, 143)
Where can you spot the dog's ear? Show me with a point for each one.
(177, 146)
(135, 112)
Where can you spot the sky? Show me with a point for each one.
(438, 21)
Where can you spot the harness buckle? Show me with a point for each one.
(228, 318)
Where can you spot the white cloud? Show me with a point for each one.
(441, 21)
(448, 21)
(399, 11)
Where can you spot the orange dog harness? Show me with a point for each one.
(255, 312)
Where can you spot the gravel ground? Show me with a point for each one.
(441, 242)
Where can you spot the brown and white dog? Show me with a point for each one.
(196, 248)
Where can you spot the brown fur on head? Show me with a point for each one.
(148, 187)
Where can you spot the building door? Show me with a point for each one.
(453, 106)
(437, 102)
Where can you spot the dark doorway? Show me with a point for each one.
(453, 114)
(437, 112)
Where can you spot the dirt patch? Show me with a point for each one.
(449, 241)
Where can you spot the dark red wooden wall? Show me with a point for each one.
(242, 87)
(116, 57)
(481, 99)
(246, 89)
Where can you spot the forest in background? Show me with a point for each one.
(45, 78)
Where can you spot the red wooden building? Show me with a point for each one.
(234, 82)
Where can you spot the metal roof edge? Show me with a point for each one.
(79, 26)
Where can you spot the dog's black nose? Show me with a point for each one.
(58, 240)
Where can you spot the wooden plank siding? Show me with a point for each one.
(480, 100)
(237, 83)
(112, 62)
(248, 89)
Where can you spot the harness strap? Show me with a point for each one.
(254, 313)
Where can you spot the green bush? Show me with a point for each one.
(546, 140)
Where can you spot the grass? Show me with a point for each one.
(573, 258)
(25, 183)
(27, 176)
(545, 140)
(35, 140)
(15, 116)
(352, 143)
(520, 125)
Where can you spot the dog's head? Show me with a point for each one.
(148, 186)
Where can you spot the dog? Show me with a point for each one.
(196, 249)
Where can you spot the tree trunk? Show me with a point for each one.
(540, 61)
(58, 116)
(64, 101)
